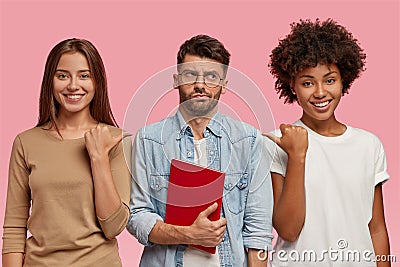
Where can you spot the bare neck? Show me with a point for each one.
(197, 123)
(329, 128)
(73, 126)
(198, 126)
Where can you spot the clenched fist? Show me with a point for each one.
(294, 140)
(99, 142)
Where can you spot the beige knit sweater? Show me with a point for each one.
(51, 195)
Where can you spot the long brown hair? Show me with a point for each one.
(100, 108)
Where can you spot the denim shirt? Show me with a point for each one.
(233, 147)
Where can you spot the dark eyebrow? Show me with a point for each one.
(68, 71)
(329, 73)
(306, 76)
(310, 76)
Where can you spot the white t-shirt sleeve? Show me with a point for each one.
(381, 174)
(279, 157)
(280, 162)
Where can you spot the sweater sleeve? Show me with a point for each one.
(18, 201)
(119, 160)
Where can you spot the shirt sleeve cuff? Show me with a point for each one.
(14, 240)
(140, 226)
(381, 177)
(262, 242)
(116, 222)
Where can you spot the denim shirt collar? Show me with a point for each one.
(214, 126)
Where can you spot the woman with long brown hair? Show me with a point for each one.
(69, 183)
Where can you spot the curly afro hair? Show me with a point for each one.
(310, 43)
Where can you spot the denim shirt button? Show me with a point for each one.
(157, 186)
(189, 153)
(229, 185)
(211, 153)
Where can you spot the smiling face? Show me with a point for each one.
(200, 97)
(318, 90)
(73, 87)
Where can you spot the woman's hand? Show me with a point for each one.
(99, 142)
(294, 140)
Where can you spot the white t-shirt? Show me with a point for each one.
(193, 257)
(200, 152)
(340, 177)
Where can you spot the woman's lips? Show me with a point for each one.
(73, 97)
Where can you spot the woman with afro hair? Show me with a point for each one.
(327, 176)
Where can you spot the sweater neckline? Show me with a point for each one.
(59, 140)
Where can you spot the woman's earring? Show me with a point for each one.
(293, 92)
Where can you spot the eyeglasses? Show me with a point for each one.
(210, 79)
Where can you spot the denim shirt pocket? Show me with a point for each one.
(159, 191)
(236, 189)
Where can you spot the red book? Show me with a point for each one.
(193, 188)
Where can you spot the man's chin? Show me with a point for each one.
(200, 107)
(199, 111)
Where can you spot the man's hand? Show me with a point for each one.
(202, 232)
(205, 232)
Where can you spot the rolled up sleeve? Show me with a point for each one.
(18, 201)
(116, 222)
(142, 213)
(257, 229)
(120, 158)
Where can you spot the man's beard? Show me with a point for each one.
(200, 107)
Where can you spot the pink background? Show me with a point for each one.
(137, 39)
